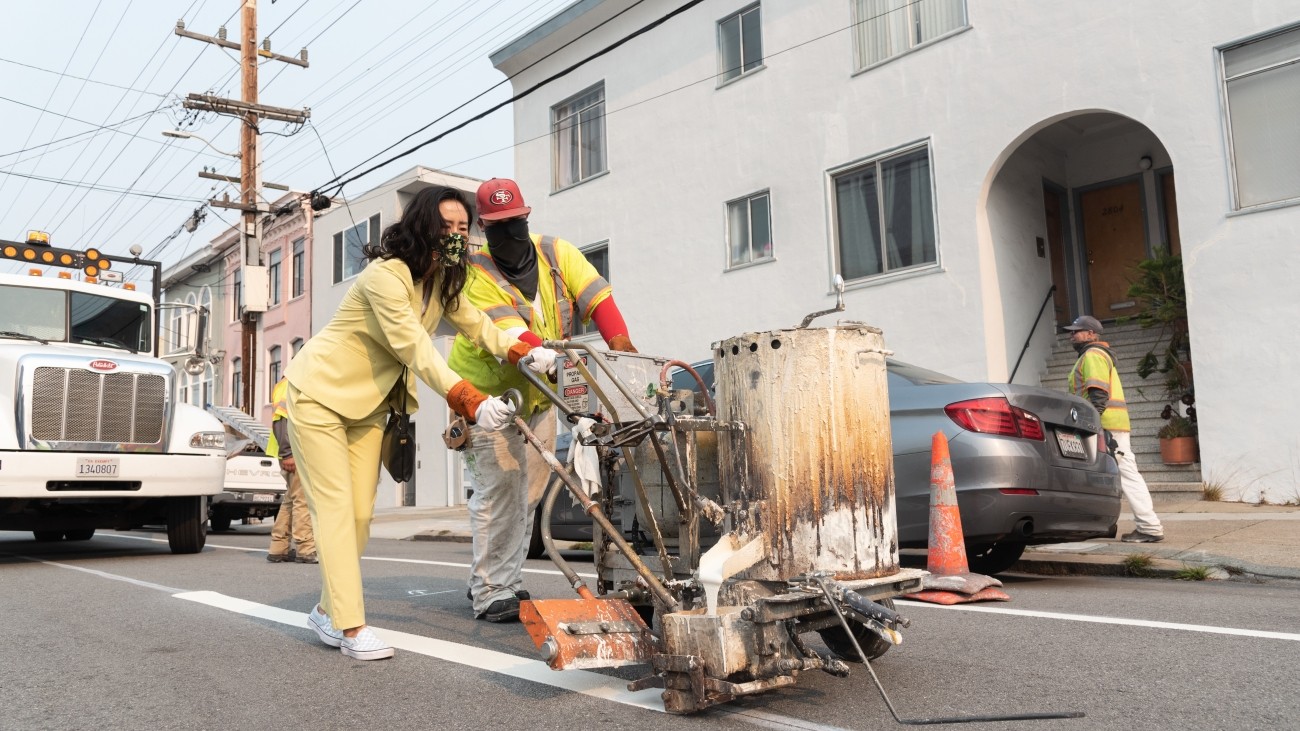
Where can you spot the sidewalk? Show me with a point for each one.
(1234, 540)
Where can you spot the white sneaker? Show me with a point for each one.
(320, 621)
(366, 646)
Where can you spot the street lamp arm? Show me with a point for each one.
(182, 135)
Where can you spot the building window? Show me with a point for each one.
(237, 295)
(740, 44)
(299, 265)
(883, 29)
(273, 274)
(294, 346)
(578, 127)
(749, 230)
(598, 255)
(1262, 86)
(273, 369)
(174, 338)
(236, 383)
(884, 215)
(348, 257)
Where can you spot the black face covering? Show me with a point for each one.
(512, 250)
(1080, 347)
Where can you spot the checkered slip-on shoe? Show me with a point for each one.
(366, 646)
(320, 622)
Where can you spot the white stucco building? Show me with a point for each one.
(340, 233)
(952, 160)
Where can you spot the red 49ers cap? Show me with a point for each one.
(499, 199)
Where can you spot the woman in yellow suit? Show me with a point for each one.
(342, 381)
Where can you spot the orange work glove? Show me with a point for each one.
(622, 344)
(464, 399)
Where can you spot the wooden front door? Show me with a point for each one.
(1114, 241)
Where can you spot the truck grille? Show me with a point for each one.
(75, 405)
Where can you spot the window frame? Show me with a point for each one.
(860, 66)
(237, 293)
(886, 275)
(274, 367)
(274, 271)
(1225, 104)
(295, 345)
(339, 264)
(556, 184)
(738, 16)
(298, 268)
(748, 200)
(236, 382)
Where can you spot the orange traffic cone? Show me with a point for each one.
(950, 580)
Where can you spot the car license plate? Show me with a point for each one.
(1071, 445)
(263, 497)
(97, 466)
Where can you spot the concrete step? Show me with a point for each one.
(1164, 493)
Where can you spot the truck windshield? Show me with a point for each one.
(76, 317)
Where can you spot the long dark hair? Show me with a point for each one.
(417, 235)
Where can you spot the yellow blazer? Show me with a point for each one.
(350, 366)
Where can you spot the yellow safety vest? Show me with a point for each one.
(1095, 369)
(576, 289)
(280, 400)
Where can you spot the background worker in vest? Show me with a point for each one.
(293, 519)
(535, 288)
(1096, 378)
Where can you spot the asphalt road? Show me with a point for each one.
(118, 633)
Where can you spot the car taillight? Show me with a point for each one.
(995, 416)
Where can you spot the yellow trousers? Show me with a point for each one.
(338, 464)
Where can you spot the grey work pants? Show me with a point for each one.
(508, 477)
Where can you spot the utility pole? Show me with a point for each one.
(256, 284)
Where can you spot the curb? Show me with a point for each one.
(442, 535)
(1222, 568)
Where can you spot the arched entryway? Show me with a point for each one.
(1073, 205)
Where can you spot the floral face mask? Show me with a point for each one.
(454, 247)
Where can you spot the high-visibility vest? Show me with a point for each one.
(279, 400)
(576, 289)
(1095, 368)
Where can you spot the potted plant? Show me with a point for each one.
(1178, 440)
(1158, 291)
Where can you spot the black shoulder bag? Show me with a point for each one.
(398, 451)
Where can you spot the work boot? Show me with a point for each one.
(522, 595)
(1138, 536)
(501, 610)
(305, 558)
(279, 557)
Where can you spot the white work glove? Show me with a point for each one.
(543, 361)
(495, 413)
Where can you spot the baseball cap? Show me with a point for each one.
(499, 198)
(1084, 322)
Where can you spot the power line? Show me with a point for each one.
(80, 78)
(98, 128)
(607, 49)
(101, 188)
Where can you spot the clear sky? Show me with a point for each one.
(380, 69)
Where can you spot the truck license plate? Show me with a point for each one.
(1071, 445)
(263, 497)
(97, 466)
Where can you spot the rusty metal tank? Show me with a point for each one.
(814, 469)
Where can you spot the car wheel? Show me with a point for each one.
(993, 558)
(186, 527)
(80, 535)
(48, 535)
(872, 644)
(535, 546)
(220, 523)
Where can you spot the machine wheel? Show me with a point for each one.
(186, 526)
(220, 523)
(993, 558)
(84, 534)
(48, 535)
(872, 644)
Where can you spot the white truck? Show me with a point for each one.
(91, 433)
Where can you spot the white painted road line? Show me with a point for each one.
(101, 574)
(1208, 629)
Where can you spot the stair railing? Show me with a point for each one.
(1032, 328)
